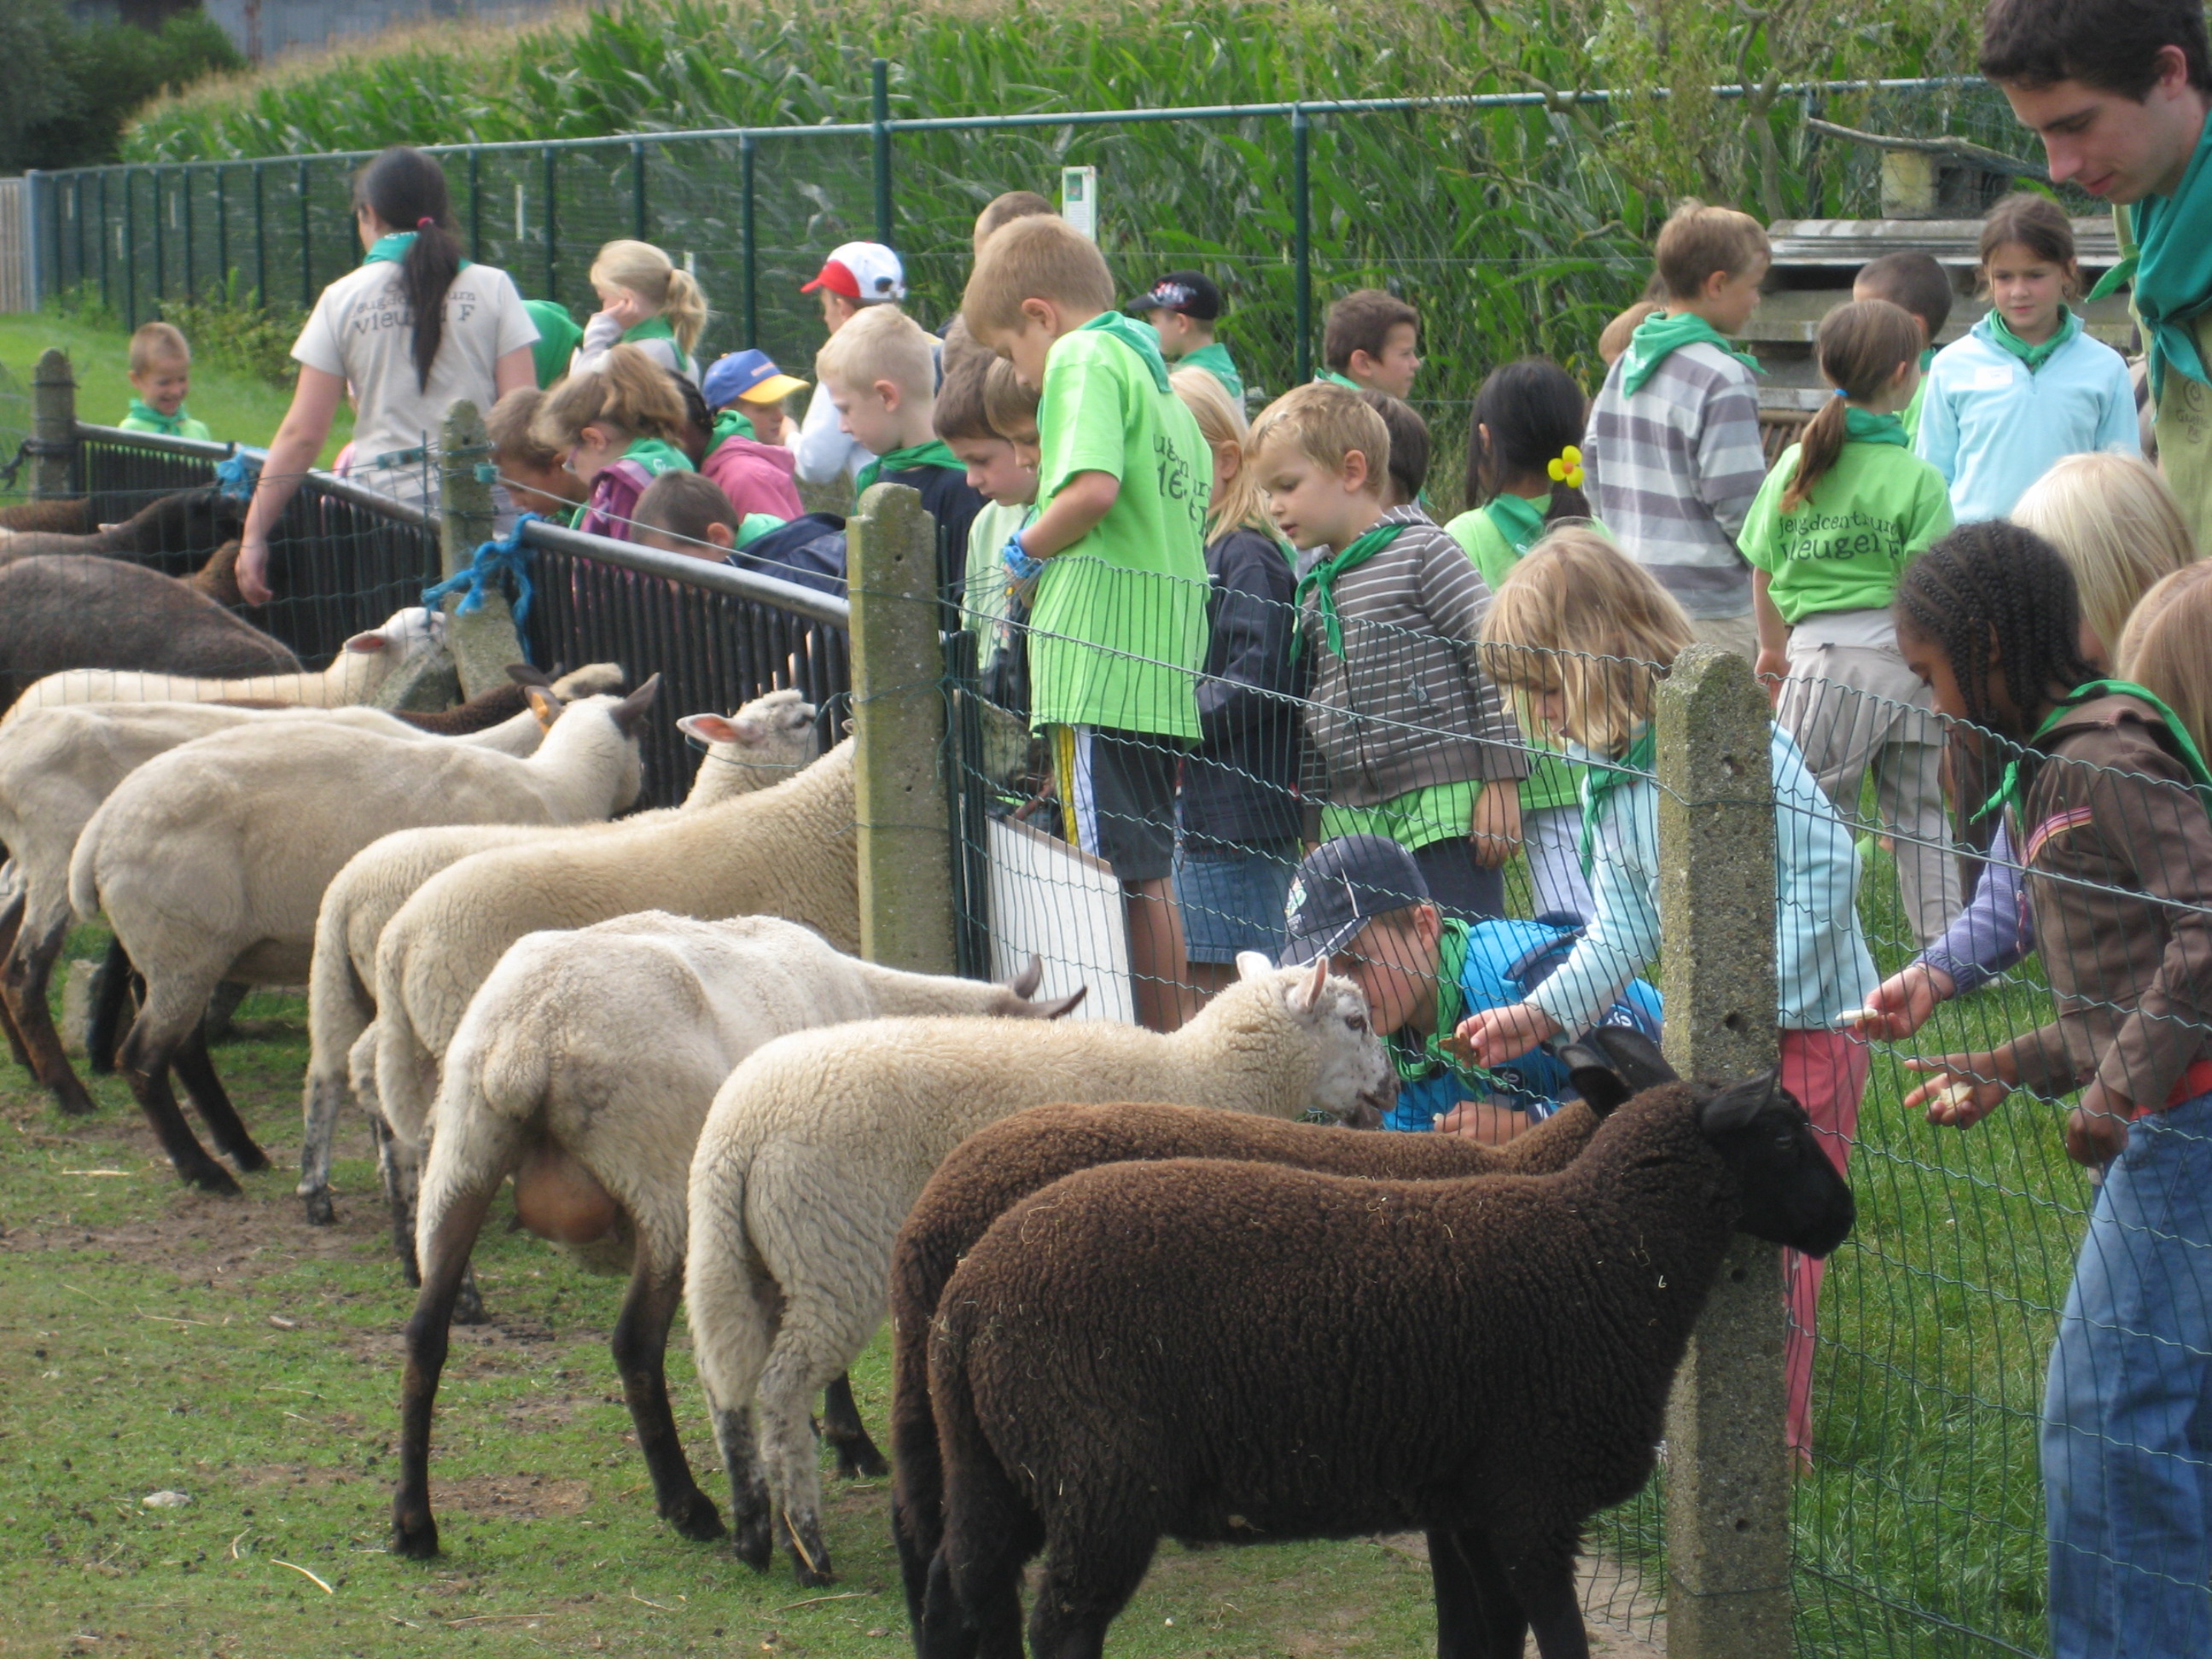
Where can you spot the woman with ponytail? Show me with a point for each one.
(415, 330)
(1844, 511)
(646, 300)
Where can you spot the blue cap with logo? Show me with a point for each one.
(1341, 886)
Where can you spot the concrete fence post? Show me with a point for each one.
(479, 645)
(54, 427)
(900, 788)
(1729, 1592)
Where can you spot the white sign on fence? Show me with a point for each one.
(1056, 902)
(1079, 199)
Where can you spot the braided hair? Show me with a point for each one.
(1995, 583)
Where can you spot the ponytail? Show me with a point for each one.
(685, 308)
(1859, 349)
(1533, 411)
(406, 190)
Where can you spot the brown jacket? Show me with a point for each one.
(2118, 851)
(1408, 704)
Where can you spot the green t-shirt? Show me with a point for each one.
(1118, 627)
(1441, 811)
(1879, 508)
(1214, 359)
(144, 417)
(1550, 782)
(558, 337)
(983, 594)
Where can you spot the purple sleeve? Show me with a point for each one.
(1994, 932)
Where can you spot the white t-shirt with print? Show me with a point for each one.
(363, 330)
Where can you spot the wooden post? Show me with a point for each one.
(53, 427)
(900, 799)
(1729, 1592)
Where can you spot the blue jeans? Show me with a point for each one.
(2127, 1410)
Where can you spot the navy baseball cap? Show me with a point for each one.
(751, 375)
(1341, 886)
(1191, 292)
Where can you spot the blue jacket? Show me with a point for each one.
(1992, 428)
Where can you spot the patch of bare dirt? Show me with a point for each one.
(514, 1496)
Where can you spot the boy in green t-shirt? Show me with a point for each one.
(1183, 306)
(1115, 567)
(161, 376)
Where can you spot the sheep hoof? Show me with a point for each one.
(321, 1213)
(416, 1537)
(250, 1158)
(212, 1177)
(696, 1518)
(860, 1462)
(810, 1555)
(468, 1304)
(73, 1099)
(751, 1540)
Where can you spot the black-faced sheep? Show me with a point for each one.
(1221, 1351)
(186, 522)
(61, 613)
(818, 1145)
(584, 1067)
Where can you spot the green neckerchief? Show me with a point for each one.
(1416, 1061)
(1663, 332)
(2035, 355)
(932, 453)
(1321, 580)
(1927, 357)
(1863, 426)
(1599, 781)
(2009, 787)
(1330, 377)
(754, 526)
(657, 456)
(657, 328)
(1519, 518)
(1213, 357)
(733, 422)
(2170, 267)
(1140, 337)
(174, 425)
(391, 249)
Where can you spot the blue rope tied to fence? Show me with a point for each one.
(506, 557)
(237, 473)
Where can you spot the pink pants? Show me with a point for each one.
(1828, 1073)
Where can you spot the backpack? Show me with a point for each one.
(810, 552)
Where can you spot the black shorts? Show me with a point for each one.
(1117, 796)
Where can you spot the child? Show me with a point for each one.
(162, 376)
(1360, 902)
(1845, 510)
(1672, 457)
(647, 302)
(2105, 798)
(1913, 282)
(1586, 634)
(618, 425)
(2027, 385)
(687, 513)
(1409, 449)
(1370, 342)
(1413, 740)
(1524, 466)
(1240, 802)
(1614, 338)
(880, 371)
(1183, 307)
(533, 475)
(747, 456)
(1003, 210)
(857, 277)
(1007, 482)
(1116, 565)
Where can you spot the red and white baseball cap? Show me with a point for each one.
(867, 273)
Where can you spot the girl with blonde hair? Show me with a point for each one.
(615, 427)
(646, 301)
(1584, 635)
(1238, 848)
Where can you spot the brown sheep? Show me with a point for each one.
(1210, 1351)
(184, 521)
(62, 518)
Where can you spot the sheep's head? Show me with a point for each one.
(404, 635)
(1792, 1194)
(1353, 1080)
(186, 521)
(768, 739)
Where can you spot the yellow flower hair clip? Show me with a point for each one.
(1568, 468)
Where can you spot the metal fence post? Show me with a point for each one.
(746, 151)
(307, 242)
(899, 698)
(475, 203)
(130, 254)
(637, 205)
(880, 99)
(106, 299)
(54, 427)
(38, 212)
(160, 240)
(1302, 236)
(260, 240)
(552, 234)
(1729, 1592)
(223, 233)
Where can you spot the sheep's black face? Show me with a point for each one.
(190, 521)
(1792, 1194)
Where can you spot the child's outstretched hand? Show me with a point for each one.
(1961, 1091)
(1496, 827)
(1497, 1034)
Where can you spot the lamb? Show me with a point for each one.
(79, 612)
(1239, 1338)
(818, 1145)
(211, 862)
(360, 666)
(787, 851)
(992, 1170)
(584, 1067)
(760, 744)
(184, 521)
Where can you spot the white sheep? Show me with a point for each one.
(818, 1145)
(762, 744)
(210, 863)
(584, 1067)
(362, 665)
(789, 851)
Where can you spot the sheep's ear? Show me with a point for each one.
(369, 642)
(1252, 964)
(1305, 996)
(1025, 983)
(846, 729)
(1053, 1008)
(631, 709)
(718, 728)
(543, 704)
(1594, 1077)
(523, 674)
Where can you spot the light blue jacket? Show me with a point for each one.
(1822, 970)
(1992, 428)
